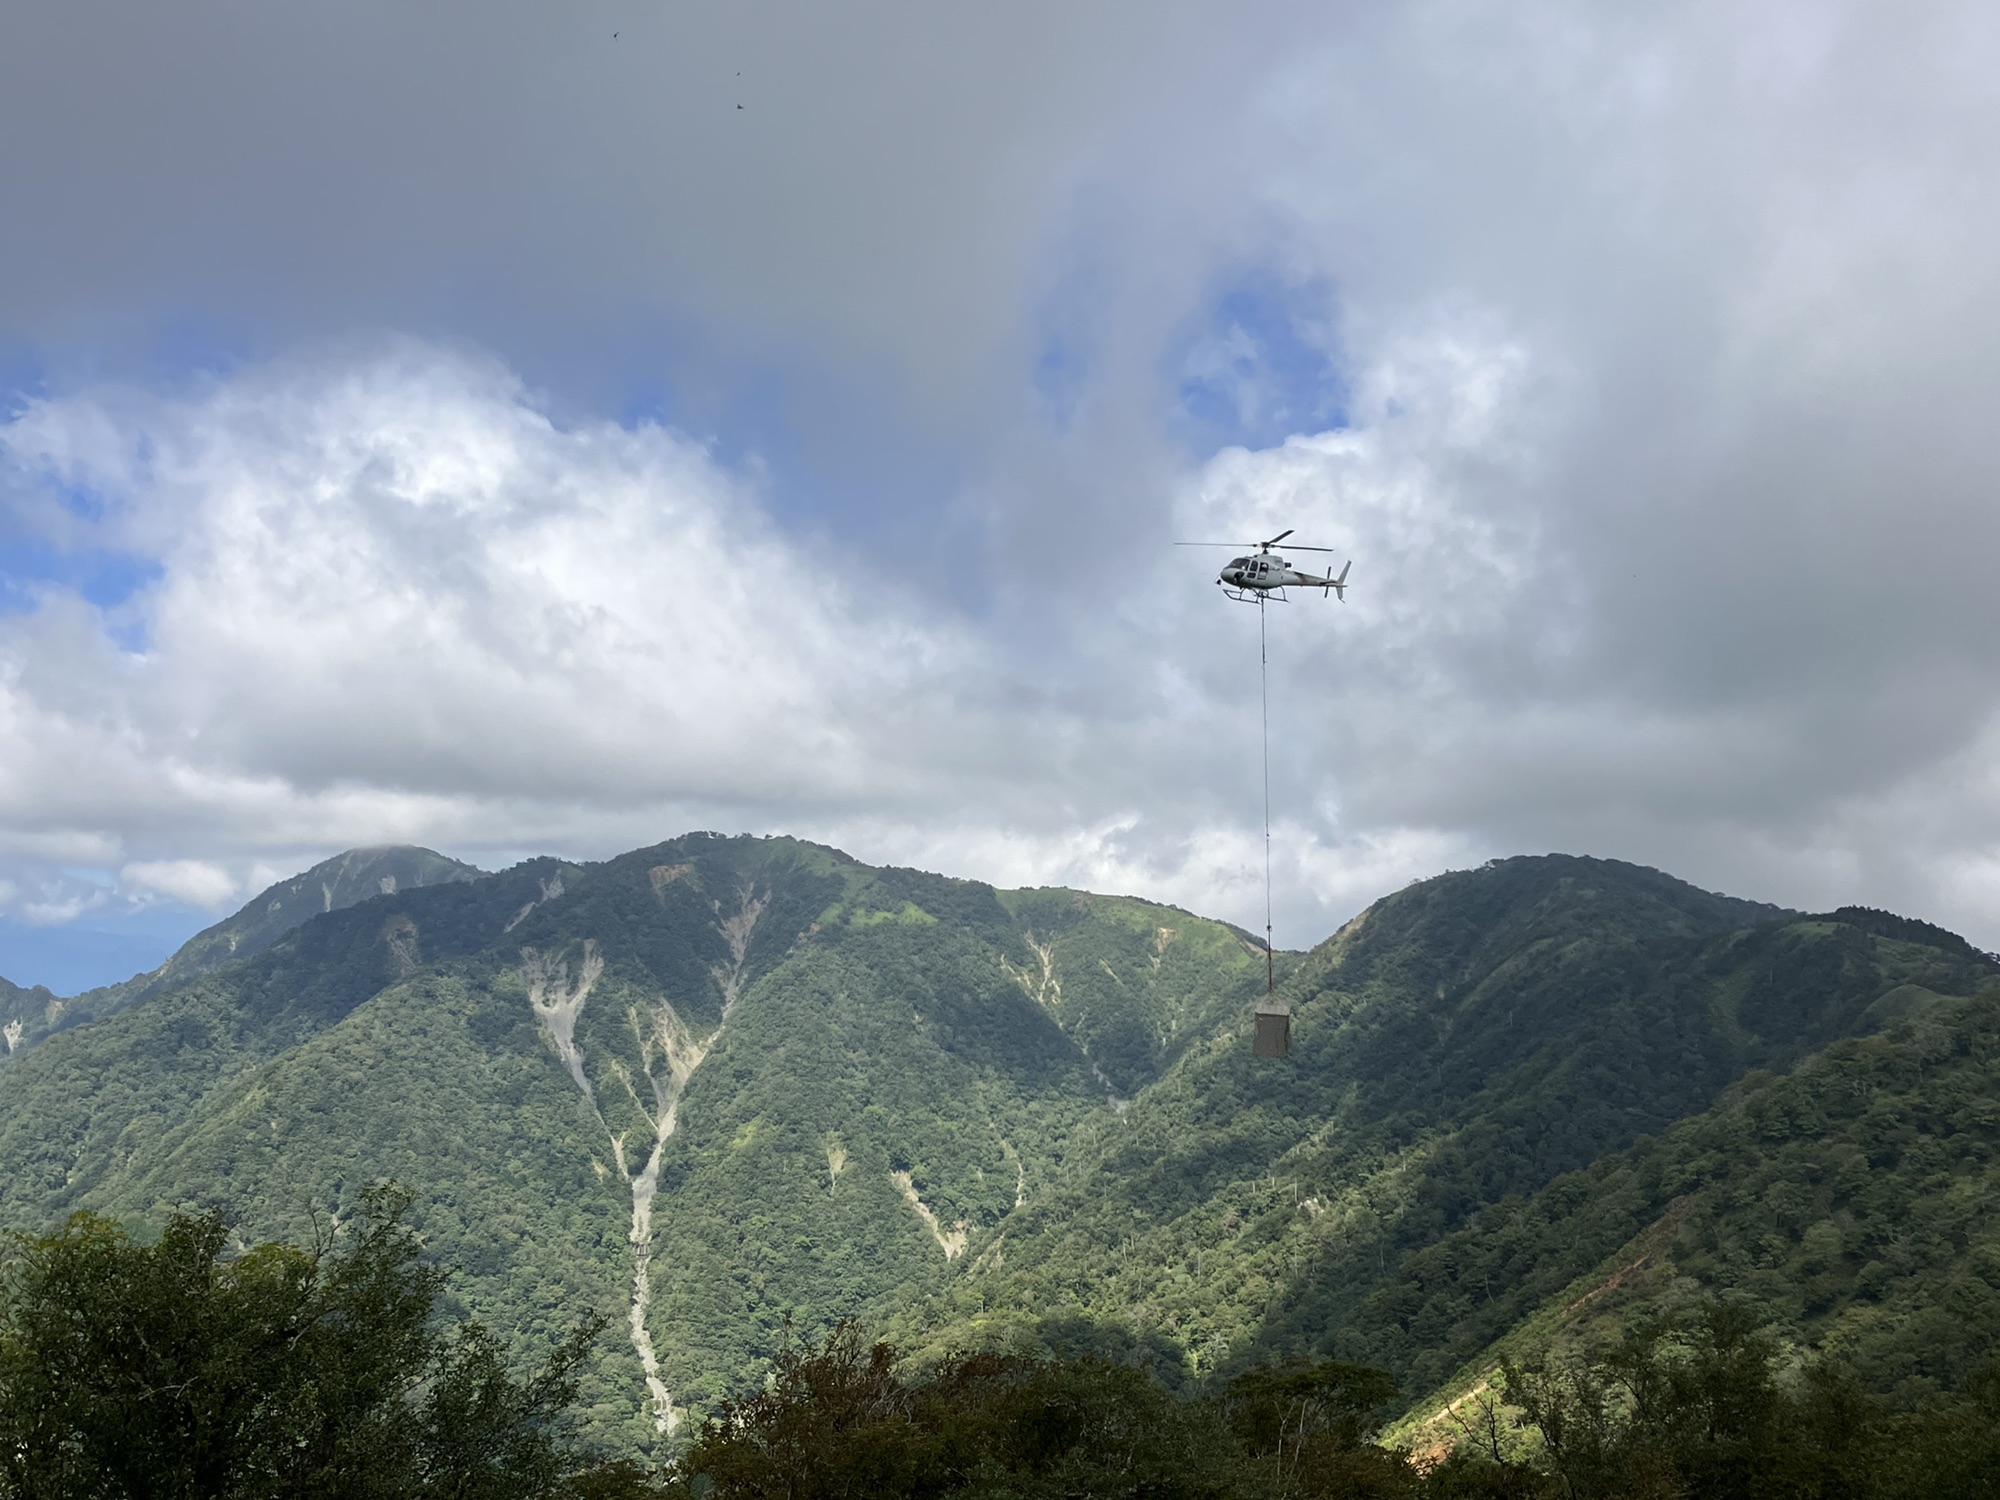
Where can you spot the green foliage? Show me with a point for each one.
(1949, 1449)
(1456, 1049)
(1267, 1405)
(1706, 1408)
(1905, 929)
(333, 885)
(1855, 1205)
(838, 1420)
(395, 1038)
(1133, 984)
(1029, 1120)
(177, 1369)
(27, 1013)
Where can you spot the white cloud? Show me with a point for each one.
(396, 602)
(62, 909)
(391, 588)
(193, 881)
(61, 846)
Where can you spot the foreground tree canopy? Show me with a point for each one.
(178, 1369)
(1708, 1411)
(186, 1367)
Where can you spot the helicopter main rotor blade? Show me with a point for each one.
(1278, 538)
(1247, 546)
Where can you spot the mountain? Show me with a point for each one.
(1852, 1204)
(23, 1008)
(332, 885)
(27, 1016)
(728, 1090)
(702, 1089)
(1463, 1041)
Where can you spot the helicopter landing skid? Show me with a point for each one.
(1255, 596)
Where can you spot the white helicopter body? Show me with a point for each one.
(1264, 574)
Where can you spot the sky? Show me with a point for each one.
(520, 428)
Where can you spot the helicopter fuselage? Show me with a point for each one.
(1266, 572)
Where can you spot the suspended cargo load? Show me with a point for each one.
(1274, 1030)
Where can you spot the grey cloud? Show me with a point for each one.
(507, 167)
(1672, 335)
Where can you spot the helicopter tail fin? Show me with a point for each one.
(1339, 585)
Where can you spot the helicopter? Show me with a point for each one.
(1264, 574)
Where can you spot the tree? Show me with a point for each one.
(837, 1420)
(834, 1421)
(1700, 1409)
(1307, 1428)
(176, 1369)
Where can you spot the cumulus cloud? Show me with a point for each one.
(56, 910)
(192, 881)
(390, 588)
(395, 600)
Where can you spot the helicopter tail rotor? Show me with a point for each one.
(1339, 585)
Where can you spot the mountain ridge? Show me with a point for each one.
(352, 876)
(575, 1017)
(1777, 1198)
(718, 1089)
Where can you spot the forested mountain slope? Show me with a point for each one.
(332, 885)
(1854, 1204)
(1464, 1042)
(700, 1088)
(26, 1016)
(22, 1006)
(719, 1084)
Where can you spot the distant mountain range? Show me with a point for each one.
(729, 1090)
(29, 1015)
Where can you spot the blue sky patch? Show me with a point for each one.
(1259, 364)
(191, 346)
(23, 376)
(1069, 339)
(95, 950)
(1061, 369)
(107, 579)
